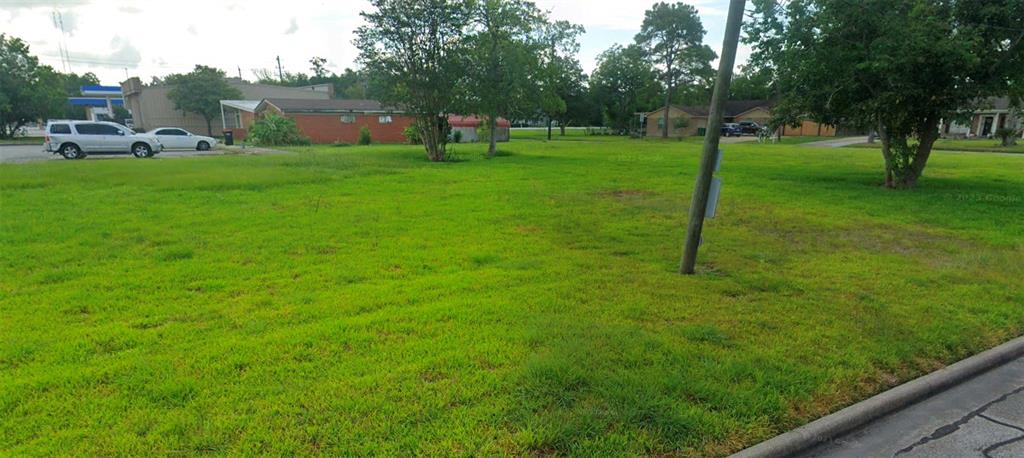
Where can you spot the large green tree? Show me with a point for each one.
(28, 91)
(900, 67)
(623, 84)
(502, 50)
(672, 34)
(200, 92)
(416, 50)
(559, 77)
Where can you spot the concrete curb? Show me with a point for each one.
(852, 417)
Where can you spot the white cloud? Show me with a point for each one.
(292, 27)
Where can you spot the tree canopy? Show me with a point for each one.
(671, 34)
(623, 84)
(899, 67)
(200, 91)
(28, 91)
(417, 50)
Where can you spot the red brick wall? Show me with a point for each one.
(328, 128)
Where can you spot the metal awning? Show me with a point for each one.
(244, 105)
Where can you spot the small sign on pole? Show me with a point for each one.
(716, 188)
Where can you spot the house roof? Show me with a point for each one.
(473, 121)
(327, 106)
(244, 105)
(733, 108)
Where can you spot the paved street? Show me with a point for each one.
(28, 153)
(983, 417)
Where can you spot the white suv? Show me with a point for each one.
(76, 139)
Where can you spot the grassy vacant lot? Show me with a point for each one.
(360, 301)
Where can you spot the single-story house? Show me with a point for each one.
(338, 120)
(995, 113)
(468, 125)
(151, 108)
(688, 121)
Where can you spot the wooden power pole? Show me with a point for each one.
(698, 207)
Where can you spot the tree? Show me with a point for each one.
(558, 73)
(750, 85)
(416, 50)
(200, 92)
(28, 91)
(899, 67)
(501, 50)
(319, 67)
(668, 34)
(623, 84)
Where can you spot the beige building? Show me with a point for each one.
(689, 121)
(151, 108)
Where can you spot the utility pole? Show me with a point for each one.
(698, 207)
(239, 72)
(280, 74)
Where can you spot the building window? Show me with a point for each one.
(386, 119)
(348, 119)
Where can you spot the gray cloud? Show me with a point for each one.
(292, 27)
(124, 55)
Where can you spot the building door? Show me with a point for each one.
(986, 128)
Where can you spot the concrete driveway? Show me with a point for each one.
(31, 153)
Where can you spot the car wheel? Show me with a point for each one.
(142, 150)
(203, 146)
(71, 151)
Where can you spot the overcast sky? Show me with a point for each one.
(153, 37)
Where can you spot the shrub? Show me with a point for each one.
(457, 136)
(1007, 135)
(412, 135)
(364, 136)
(274, 130)
(340, 144)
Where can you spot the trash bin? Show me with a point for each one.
(229, 137)
(702, 131)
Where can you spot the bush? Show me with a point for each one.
(274, 130)
(340, 144)
(412, 135)
(364, 136)
(457, 136)
(1007, 135)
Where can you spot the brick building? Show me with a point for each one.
(335, 120)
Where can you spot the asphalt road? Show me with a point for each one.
(30, 153)
(983, 417)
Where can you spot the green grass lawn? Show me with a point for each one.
(362, 301)
(973, 145)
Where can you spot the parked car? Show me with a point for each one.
(749, 127)
(176, 138)
(731, 129)
(77, 139)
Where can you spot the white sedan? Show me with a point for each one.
(175, 138)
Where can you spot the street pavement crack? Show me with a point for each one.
(953, 427)
(987, 452)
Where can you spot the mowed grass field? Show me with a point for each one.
(362, 301)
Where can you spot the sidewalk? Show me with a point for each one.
(982, 417)
(837, 143)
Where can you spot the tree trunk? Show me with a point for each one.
(549, 128)
(209, 127)
(561, 128)
(492, 124)
(904, 165)
(432, 130)
(668, 102)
